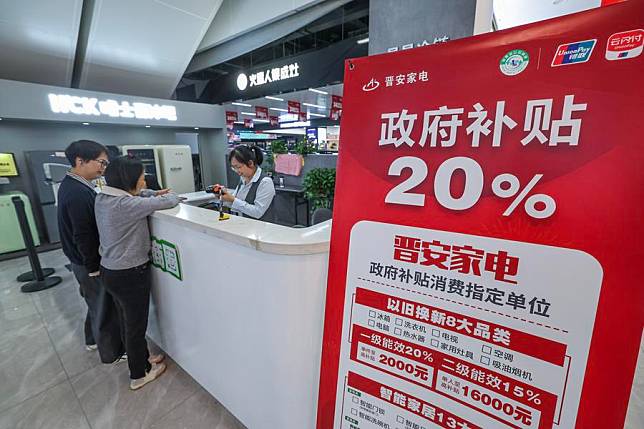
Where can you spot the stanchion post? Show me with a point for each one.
(40, 282)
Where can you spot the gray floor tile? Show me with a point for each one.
(200, 411)
(14, 319)
(55, 408)
(109, 404)
(11, 296)
(28, 366)
(69, 341)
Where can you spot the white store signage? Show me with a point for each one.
(91, 106)
(404, 47)
(267, 76)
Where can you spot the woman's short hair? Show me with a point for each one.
(123, 173)
(245, 154)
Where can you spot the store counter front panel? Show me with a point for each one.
(239, 305)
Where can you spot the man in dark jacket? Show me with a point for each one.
(80, 241)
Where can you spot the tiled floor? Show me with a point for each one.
(48, 380)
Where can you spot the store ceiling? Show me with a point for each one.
(139, 47)
(38, 40)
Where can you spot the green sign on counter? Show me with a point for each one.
(165, 256)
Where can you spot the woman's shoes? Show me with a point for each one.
(156, 358)
(154, 373)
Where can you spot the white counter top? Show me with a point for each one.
(195, 198)
(258, 235)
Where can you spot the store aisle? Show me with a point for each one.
(48, 379)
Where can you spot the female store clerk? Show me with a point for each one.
(253, 196)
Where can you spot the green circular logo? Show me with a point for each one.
(514, 62)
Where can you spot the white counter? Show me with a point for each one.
(246, 321)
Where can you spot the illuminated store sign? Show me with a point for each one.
(90, 106)
(263, 77)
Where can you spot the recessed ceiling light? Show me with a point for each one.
(314, 105)
(85, 123)
(318, 91)
(241, 104)
(277, 109)
(147, 126)
(196, 128)
(274, 98)
(261, 120)
(316, 114)
(363, 41)
(238, 122)
(248, 114)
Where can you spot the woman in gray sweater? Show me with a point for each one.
(122, 209)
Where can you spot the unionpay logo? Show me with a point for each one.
(625, 45)
(573, 53)
(514, 62)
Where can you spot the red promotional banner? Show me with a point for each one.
(335, 114)
(231, 116)
(230, 125)
(487, 276)
(248, 123)
(301, 116)
(336, 102)
(274, 120)
(261, 112)
(294, 107)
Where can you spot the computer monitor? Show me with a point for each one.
(8, 166)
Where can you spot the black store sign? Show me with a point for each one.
(311, 70)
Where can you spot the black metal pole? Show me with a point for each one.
(40, 282)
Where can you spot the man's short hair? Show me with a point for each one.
(85, 150)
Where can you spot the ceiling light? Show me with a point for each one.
(363, 41)
(249, 114)
(314, 105)
(295, 124)
(238, 122)
(274, 98)
(147, 126)
(316, 114)
(318, 91)
(277, 109)
(196, 128)
(261, 120)
(241, 104)
(85, 123)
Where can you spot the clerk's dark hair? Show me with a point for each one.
(123, 172)
(245, 154)
(85, 150)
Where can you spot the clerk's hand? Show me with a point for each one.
(226, 195)
(161, 192)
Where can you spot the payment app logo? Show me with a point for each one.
(573, 53)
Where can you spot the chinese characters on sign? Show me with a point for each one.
(440, 126)
(165, 255)
(263, 77)
(62, 103)
(442, 329)
(442, 39)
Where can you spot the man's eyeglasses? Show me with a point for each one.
(104, 163)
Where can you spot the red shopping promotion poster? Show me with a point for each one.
(486, 244)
